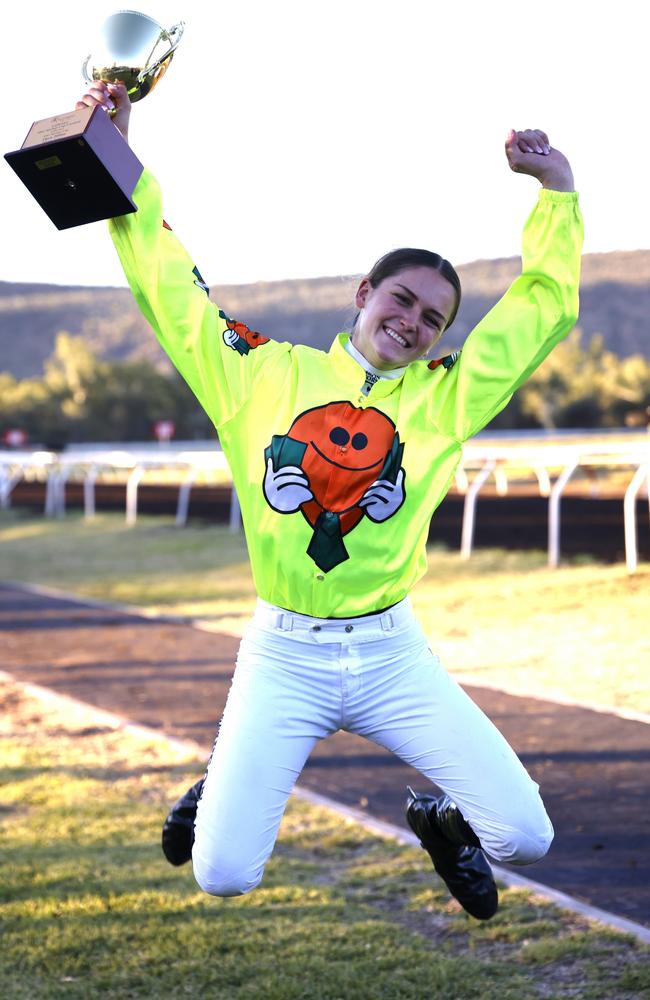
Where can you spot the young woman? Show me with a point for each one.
(339, 460)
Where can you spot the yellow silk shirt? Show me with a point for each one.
(305, 445)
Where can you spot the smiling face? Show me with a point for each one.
(403, 317)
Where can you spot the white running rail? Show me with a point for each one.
(551, 464)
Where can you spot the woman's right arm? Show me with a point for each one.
(217, 357)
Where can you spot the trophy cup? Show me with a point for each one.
(77, 165)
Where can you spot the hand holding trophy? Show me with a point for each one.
(78, 165)
(114, 99)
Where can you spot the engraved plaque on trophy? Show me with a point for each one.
(77, 165)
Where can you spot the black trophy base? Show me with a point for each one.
(85, 175)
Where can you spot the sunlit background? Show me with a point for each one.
(296, 139)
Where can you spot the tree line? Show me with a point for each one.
(582, 386)
(82, 398)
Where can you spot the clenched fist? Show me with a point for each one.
(530, 152)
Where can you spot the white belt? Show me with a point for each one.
(290, 621)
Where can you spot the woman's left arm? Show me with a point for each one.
(539, 308)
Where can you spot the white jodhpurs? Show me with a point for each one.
(299, 679)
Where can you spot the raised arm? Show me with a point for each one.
(218, 357)
(537, 311)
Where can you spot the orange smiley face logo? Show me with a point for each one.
(346, 451)
(349, 460)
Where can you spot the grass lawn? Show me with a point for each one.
(91, 909)
(503, 618)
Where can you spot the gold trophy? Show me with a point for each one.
(77, 165)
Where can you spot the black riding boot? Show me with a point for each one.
(178, 828)
(455, 851)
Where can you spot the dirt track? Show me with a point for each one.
(592, 767)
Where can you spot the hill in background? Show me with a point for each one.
(615, 302)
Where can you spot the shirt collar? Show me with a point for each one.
(367, 367)
(351, 370)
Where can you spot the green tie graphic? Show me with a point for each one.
(326, 547)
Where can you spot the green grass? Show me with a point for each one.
(90, 908)
(502, 618)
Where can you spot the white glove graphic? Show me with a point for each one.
(230, 337)
(383, 498)
(286, 489)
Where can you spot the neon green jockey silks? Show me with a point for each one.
(307, 448)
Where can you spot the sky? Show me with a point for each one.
(300, 139)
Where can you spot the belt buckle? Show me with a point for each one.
(284, 622)
(387, 622)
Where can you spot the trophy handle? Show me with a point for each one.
(173, 35)
(84, 70)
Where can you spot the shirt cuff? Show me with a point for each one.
(557, 197)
